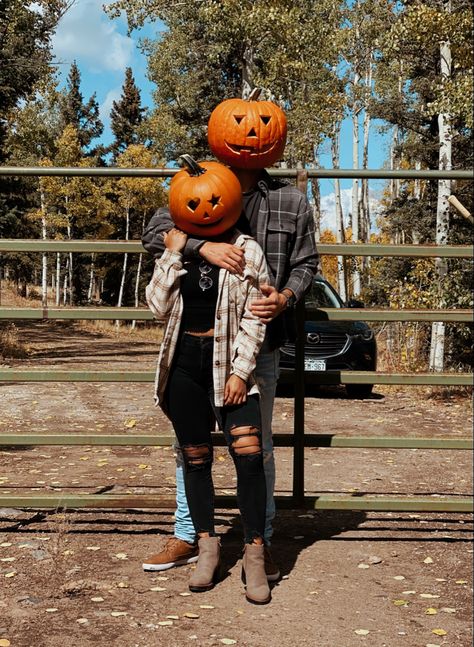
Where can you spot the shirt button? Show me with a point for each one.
(217, 363)
(218, 316)
(218, 339)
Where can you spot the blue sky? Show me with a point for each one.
(102, 50)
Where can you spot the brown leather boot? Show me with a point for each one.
(254, 576)
(208, 565)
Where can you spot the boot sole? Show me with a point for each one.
(207, 587)
(168, 565)
(258, 601)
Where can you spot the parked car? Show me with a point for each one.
(334, 345)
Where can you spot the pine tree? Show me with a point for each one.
(126, 116)
(84, 117)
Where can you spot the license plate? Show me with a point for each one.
(314, 364)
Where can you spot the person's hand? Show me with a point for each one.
(229, 257)
(235, 391)
(270, 306)
(175, 240)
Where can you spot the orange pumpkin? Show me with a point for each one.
(247, 133)
(205, 199)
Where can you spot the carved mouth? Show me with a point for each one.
(208, 224)
(249, 150)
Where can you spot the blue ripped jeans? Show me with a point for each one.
(267, 372)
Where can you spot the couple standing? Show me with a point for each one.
(278, 217)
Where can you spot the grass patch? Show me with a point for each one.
(11, 347)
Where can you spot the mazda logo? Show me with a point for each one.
(313, 338)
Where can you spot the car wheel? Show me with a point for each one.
(359, 391)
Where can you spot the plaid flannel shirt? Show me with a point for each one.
(285, 232)
(238, 334)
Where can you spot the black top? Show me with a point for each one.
(199, 289)
(247, 222)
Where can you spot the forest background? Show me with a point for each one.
(407, 64)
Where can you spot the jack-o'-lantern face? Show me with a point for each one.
(247, 133)
(205, 198)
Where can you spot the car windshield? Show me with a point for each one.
(321, 296)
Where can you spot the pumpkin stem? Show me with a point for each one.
(253, 96)
(192, 166)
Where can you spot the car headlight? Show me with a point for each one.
(367, 334)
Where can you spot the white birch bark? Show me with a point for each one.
(137, 278)
(365, 211)
(438, 328)
(70, 272)
(44, 258)
(247, 72)
(415, 235)
(124, 266)
(58, 279)
(316, 197)
(65, 283)
(340, 234)
(69, 265)
(90, 291)
(355, 194)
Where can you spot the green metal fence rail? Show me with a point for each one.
(298, 440)
(373, 174)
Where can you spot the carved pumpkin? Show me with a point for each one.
(205, 199)
(247, 133)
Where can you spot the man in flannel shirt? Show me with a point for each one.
(280, 219)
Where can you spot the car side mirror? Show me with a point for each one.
(354, 303)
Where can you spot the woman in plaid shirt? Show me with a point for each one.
(205, 370)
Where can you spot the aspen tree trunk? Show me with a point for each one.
(124, 266)
(90, 291)
(248, 67)
(438, 328)
(69, 264)
(70, 271)
(65, 283)
(365, 211)
(44, 258)
(355, 195)
(340, 234)
(137, 279)
(316, 197)
(394, 155)
(415, 235)
(58, 279)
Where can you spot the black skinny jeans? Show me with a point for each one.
(189, 403)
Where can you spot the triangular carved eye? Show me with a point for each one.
(238, 118)
(265, 119)
(193, 204)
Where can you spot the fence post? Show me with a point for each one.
(298, 418)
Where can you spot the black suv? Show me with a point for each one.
(334, 345)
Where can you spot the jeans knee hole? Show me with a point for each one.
(197, 455)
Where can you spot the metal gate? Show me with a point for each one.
(298, 440)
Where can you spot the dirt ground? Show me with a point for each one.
(349, 578)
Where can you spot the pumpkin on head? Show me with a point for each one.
(247, 133)
(205, 198)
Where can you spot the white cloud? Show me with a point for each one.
(328, 208)
(106, 105)
(87, 35)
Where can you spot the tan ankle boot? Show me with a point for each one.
(254, 576)
(208, 565)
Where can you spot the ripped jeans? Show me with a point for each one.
(188, 398)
